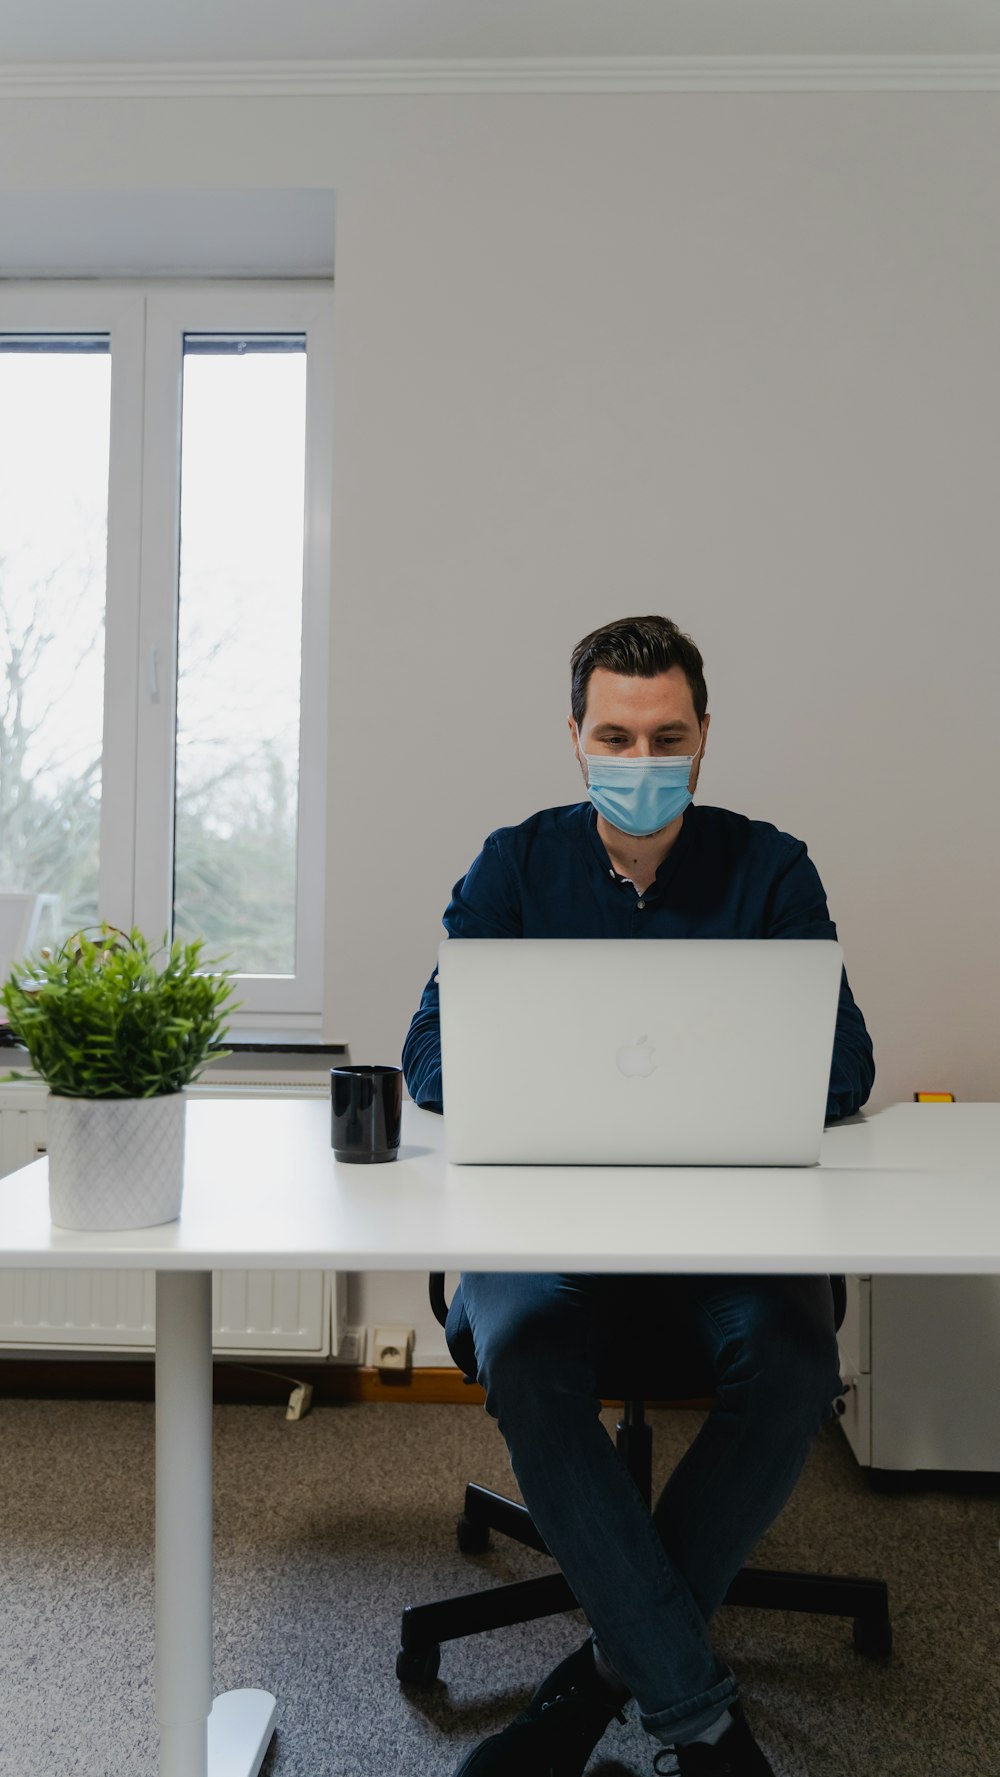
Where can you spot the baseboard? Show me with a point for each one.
(132, 1379)
(444, 1386)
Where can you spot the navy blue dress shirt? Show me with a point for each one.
(724, 877)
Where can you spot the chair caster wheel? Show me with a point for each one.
(418, 1665)
(473, 1538)
(873, 1639)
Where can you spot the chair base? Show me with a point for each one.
(425, 1626)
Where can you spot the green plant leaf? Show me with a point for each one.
(101, 1018)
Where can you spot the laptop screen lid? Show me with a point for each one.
(668, 1052)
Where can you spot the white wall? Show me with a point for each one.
(732, 359)
(729, 357)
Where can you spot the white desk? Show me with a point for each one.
(914, 1189)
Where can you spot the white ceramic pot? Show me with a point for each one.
(115, 1162)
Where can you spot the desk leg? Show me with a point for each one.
(197, 1738)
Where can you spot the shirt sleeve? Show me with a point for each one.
(797, 909)
(484, 904)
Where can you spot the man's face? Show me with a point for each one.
(629, 718)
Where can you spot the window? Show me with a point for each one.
(165, 468)
(55, 410)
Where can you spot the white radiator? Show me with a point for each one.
(255, 1313)
(22, 1124)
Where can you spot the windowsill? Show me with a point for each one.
(245, 1053)
(284, 1042)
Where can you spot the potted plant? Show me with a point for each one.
(117, 1030)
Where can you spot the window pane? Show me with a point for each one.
(55, 422)
(239, 647)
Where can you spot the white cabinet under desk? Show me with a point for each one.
(922, 1354)
(921, 1372)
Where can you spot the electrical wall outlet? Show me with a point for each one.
(392, 1348)
(352, 1346)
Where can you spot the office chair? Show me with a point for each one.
(425, 1626)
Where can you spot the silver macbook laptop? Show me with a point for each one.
(669, 1052)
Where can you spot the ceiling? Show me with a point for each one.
(59, 32)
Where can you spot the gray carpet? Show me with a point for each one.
(324, 1529)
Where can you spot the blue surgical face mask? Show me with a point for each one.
(639, 796)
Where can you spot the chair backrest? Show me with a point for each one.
(435, 1289)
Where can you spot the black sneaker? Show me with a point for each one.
(735, 1755)
(557, 1732)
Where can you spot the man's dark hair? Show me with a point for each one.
(640, 648)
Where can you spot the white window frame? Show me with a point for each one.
(146, 323)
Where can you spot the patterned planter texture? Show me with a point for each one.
(115, 1162)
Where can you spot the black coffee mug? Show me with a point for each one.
(367, 1112)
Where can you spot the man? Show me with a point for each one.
(637, 860)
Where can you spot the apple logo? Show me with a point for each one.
(636, 1058)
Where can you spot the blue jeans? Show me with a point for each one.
(546, 1347)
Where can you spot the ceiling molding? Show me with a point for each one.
(621, 74)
